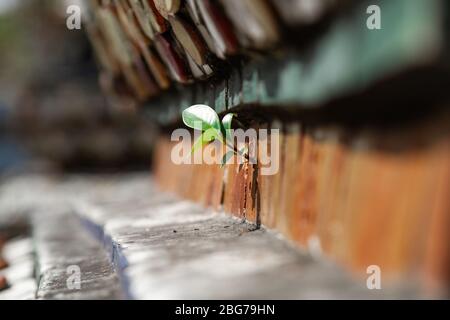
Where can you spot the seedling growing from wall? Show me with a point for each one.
(204, 118)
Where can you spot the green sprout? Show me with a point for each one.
(204, 118)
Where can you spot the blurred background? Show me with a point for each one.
(52, 113)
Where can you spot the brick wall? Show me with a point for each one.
(361, 198)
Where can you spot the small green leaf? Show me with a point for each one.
(205, 138)
(198, 144)
(226, 158)
(201, 117)
(227, 121)
(212, 134)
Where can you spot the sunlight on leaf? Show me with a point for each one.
(227, 120)
(201, 117)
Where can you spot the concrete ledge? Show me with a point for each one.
(158, 247)
(61, 243)
(177, 250)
